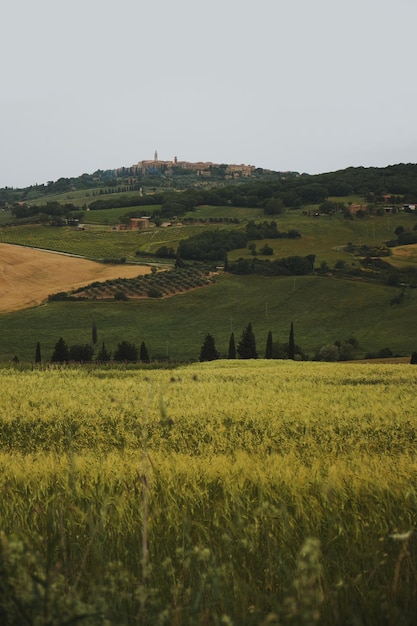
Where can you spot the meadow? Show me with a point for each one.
(97, 242)
(235, 492)
(323, 309)
(174, 328)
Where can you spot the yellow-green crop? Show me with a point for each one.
(221, 492)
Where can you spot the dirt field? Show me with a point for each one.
(28, 277)
(405, 253)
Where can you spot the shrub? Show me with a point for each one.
(126, 351)
(154, 292)
(120, 295)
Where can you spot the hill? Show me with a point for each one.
(357, 253)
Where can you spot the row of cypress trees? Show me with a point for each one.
(126, 351)
(246, 348)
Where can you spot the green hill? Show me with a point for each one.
(351, 297)
(323, 310)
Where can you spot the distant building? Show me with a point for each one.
(135, 223)
(356, 207)
(204, 169)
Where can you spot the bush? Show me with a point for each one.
(126, 351)
(120, 295)
(154, 292)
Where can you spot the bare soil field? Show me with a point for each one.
(405, 253)
(28, 276)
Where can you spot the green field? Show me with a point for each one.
(97, 241)
(323, 310)
(324, 236)
(113, 216)
(246, 493)
(241, 213)
(79, 197)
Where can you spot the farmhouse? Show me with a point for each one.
(135, 223)
(356, 207)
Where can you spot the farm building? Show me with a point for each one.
(135, 223)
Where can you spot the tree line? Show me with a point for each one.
(213, 245)
(246, 348)
(289, 189)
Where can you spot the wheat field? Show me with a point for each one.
(231, 492)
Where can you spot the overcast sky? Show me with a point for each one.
(304, 85)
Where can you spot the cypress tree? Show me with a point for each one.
(143, 353)
(269, 347)
(232, 347)
(291, 344)
(178, 260)
(38, 357)
(104, 355)
(61, 352)
(247, 344)
(208, 350)
(126, 351)
(94, 333)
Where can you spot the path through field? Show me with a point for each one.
(28, 276)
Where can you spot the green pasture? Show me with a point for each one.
(81, 197)
(93, 243)
(323, 310)
(325, 236)
(241, 213)
(113, 216)
(77, 197)
(99, 241)
(5, 216)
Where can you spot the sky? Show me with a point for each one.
(300, 85)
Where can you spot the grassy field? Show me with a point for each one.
(247, 493)
(97, 241)
(324, 236)
(80, 197)
(323, 310)
(241, 213)
(113, 216)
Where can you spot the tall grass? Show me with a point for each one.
(230, 492)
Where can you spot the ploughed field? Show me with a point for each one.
(28, 276)
(231, 492)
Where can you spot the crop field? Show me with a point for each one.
(235, 492)
(28, 276)
(97, 242)
(113, 216)
(94, 242)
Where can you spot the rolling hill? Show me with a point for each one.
(328, 306)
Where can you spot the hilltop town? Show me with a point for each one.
(205, 169)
